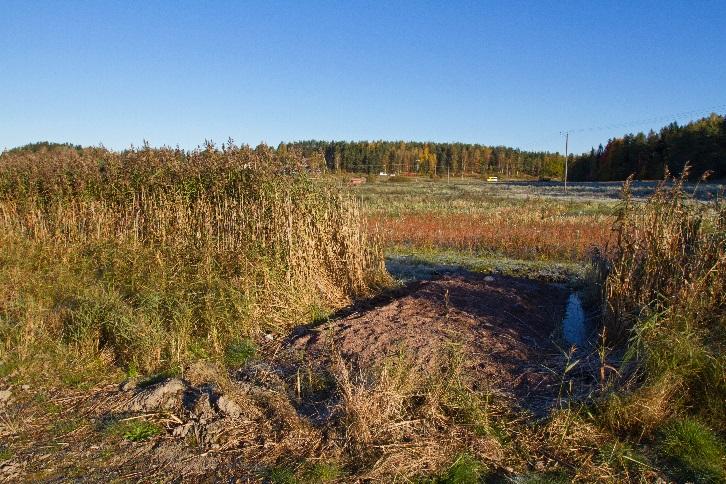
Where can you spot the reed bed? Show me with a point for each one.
(153, 256)
(664, 292)
(669, 256)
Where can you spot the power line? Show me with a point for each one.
(655, 119)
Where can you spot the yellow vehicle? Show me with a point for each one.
(492, 179)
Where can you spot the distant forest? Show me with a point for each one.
(43, 146)
(701, 143)
(431, 158)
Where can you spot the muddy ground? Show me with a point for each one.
(503, 330)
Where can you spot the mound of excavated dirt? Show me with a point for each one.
(502, 327)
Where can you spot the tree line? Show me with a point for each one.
(394, 157)
(402, 157)
(701, 144)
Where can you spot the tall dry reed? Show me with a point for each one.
(171, 252)
(665, 294)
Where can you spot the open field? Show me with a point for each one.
(220, 314)
(480, 219)
(585, 193)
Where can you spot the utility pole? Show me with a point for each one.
(567, 139)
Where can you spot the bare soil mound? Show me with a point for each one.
(502, 327)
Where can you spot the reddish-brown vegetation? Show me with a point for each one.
(562, 238)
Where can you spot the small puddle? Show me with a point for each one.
(573, 326)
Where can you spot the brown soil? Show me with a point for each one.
(502, 327)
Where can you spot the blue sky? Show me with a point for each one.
(510, 73)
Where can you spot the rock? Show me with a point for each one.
(5, 397)
(228, 407)
(162, 396)
(489, 279)
(9, 471)
(25, 388)
(182, 430)
(216, 433)
(202, 407)
(262, 375)
(128, 385)
(269, 337)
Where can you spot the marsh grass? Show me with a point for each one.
(669, 259)
(664, 293)
(663, 290)
(693, 451)
(149, 258)
(475, 219)
(400, 179)
(510, 233)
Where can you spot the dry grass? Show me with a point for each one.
(665, 293)
(670, 254)
(155, 257)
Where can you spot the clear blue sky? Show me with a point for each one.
(511, 73)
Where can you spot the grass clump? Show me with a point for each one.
(280, 475)
(136, 430)
(322, 472)
(5, 454)
(239, 352)
(692, 451)
(465, 470)
(66, 426)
